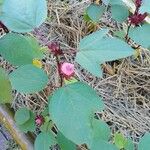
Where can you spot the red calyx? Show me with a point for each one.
(137, 18)
(55, 48)
(138, 3)
(4, 27)
(39, 120)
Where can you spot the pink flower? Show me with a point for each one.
(67, 69)
(54, 48)
(39, 120)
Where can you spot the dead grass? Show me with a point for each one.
(126, 93)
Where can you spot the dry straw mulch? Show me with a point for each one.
(125, 93)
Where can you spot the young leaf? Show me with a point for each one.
(144, 143)
(22, 115)
(96, 48)
(119, 12)
(129, 145)
(141, 35)
(72, 107)
(44, 140)
(28, 125)
(95, 12)
(23, 15)
(19, 50)
(28, 79)
(97, 144)
(145, 6)
(106, 2)
(5, 88)
(120, 140)
(100, 130)
(64, 143)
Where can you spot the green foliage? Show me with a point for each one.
(129, 145)
(22, 115)
(44, 140)
(145, 6)
(120, 140)
(100, 130)
(144, 143)
(5, 88)
(28, 79)
(98, 143)
(64, 143)
(25, 119)
(72, 108)
(23, 15)
(119, 12)
(19, 50)
(141, 35)
(95, 50)
(95, 12)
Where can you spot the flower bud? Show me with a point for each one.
(137, 18)
(55, 48)
(39, 120)
(138, 3)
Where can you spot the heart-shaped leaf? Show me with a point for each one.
(22, 115)
(44, 140)
(19, 50)
(100, 130)
(119, 12)
(29, 125)
(144, 143)
(72, 108)
(65, 143)
(141, 35)
(5, 88)
(95, 12)
(28, 79)
(145, 6)
(97, 143)
(23, 15)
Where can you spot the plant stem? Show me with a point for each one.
(126, 37)
(58, 68)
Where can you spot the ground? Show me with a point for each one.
(125, 88)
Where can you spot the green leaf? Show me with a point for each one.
(119, 12)
(95, 12)
(28, 79)
(120, 34)
(120, 140)
(129, 145)
(64, 143)
(106, 2)
(100, 130)
(144, 143)
(5, 88)
(96, 48)
(23, 15)
(19, 50)
(97, 143)
(28, 125)
(1, 2)
(44, 140)
(145, 6)
(72, 108)
(22, 115)
(141, 35)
